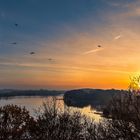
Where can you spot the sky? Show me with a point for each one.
(65, 36)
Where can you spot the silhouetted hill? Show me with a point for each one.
(93, 97)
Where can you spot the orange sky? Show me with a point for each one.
(71, 58)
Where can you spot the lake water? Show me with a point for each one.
(34, 103)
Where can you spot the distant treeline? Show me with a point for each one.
(13, 93)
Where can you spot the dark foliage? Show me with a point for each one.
(55, 124)
(124, 111)
(93, 97)
(14, 123)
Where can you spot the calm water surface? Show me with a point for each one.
(34, 103)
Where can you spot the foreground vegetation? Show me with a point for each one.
(54, 124)
(122, 121)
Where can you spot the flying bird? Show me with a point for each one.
(32, 53)
(50, 59)
(14, 43)
(99, 46)
(16, 24)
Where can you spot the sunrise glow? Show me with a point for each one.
(76, 44)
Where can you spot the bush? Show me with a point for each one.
(124, 111)
(55, 124)
(14, 123)
(60, 125)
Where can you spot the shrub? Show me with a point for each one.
(55, 124)
(14, 123)
(60, 125)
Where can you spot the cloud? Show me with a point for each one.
(131, 10)
(120, 3)
(117, 37)
(134, 12)
(93, 51)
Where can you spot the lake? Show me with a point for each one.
(34, 103)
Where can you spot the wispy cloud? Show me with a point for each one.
(93, 51)
(117, 37)
(131, 10)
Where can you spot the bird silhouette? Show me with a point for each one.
(14, 43)
(16, 24)
(32, 53)
(50, 59)
(99, 46)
